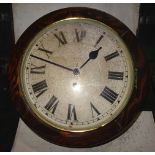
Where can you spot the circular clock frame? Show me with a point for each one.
(89, 138)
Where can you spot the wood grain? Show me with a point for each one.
(103, 134)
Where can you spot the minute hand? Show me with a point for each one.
(53, 63)
(92, 55)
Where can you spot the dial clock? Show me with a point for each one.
(77, 77)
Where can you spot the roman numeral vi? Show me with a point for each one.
(71, 113)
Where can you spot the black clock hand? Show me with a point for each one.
(53, 63)
(92, 55)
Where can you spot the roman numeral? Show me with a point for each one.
(111, 56)
(38, 70)
(52, 104)
(80, 35)
(94, 110)
(115, 75)
(71, 113)
(61, 38)
(39, 88)
(45, 50)
(109, 95)
(99, 39)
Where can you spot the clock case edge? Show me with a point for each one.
(103, 134)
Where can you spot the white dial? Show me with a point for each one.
(77, 74)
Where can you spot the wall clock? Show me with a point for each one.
(78, 77)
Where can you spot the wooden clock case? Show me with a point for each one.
(103, 134)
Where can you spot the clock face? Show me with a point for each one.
(76, 75)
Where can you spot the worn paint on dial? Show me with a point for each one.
(77, 75)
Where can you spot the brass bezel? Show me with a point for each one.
(26, 55)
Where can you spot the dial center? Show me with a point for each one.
(76, 71)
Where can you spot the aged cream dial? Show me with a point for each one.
(77, 75)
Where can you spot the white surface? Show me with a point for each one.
(140, 137)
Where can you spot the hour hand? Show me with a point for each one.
(53, 63)
(92, 55)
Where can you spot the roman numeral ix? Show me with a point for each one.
(39, 88)
(38, 69)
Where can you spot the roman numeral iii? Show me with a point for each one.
(109, 95)
(115, 75)
(39, 88)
